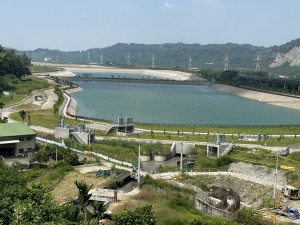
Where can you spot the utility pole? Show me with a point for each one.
(139, 167)
(190, 63)
(153, 60)
(101, 60)
(29, 118)
(226, 62)
(181, 153)
(274, 194)
(258, 61)
(128, 59)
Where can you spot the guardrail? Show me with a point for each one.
(209, 209)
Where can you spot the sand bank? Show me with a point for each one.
(273, 99)
(68, 71)
(166, 74)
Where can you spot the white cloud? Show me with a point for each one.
(168, 5)
(207, 3)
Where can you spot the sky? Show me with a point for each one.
(71, 25)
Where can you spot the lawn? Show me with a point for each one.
(45, 118)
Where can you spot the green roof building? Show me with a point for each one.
(16, 139)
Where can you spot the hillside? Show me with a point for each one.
(211, 56)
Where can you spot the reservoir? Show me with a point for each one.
(176, 104)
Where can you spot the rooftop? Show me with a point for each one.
(15, 129)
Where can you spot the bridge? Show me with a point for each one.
(275, 82)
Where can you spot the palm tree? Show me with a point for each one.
(22, 114)
(1, 107)
(83, 193)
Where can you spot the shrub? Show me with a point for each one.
(140, 216)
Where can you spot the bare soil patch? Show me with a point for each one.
(67, 189)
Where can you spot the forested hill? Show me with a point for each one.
(10, 63)
(241, 56)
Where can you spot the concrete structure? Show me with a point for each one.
(121, 127)
(39, 96)
(275, 82)
(211, 210)
(102, 195)
(16, 139)
(218, 150)
(177, 147)
(82, 135)
(62, 132)
(219, 147)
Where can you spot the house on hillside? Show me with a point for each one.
(16, 139)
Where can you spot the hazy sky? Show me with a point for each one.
(83, 24)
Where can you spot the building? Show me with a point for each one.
(16, 139)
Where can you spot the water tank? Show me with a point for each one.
(129, 120)
(120, 120)
(219, 138)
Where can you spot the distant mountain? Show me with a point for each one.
(241, 56)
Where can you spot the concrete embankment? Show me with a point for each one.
(126, 80)
(268, 98)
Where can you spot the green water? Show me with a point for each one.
(176, 104)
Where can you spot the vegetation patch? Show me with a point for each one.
(52, 175)
(43, 69)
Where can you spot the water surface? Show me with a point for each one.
(176, 104)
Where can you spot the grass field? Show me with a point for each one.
(43, 69)
(226, 130)
(67, 189)
(44, 118)
(22, 88)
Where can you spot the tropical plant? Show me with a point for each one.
(83, 193)
(22, 114)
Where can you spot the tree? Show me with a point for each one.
(228, 75)
(64, 154)
(1, 107)
(55, 109)
(22, 114)
(4, 120)
(83, 193)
